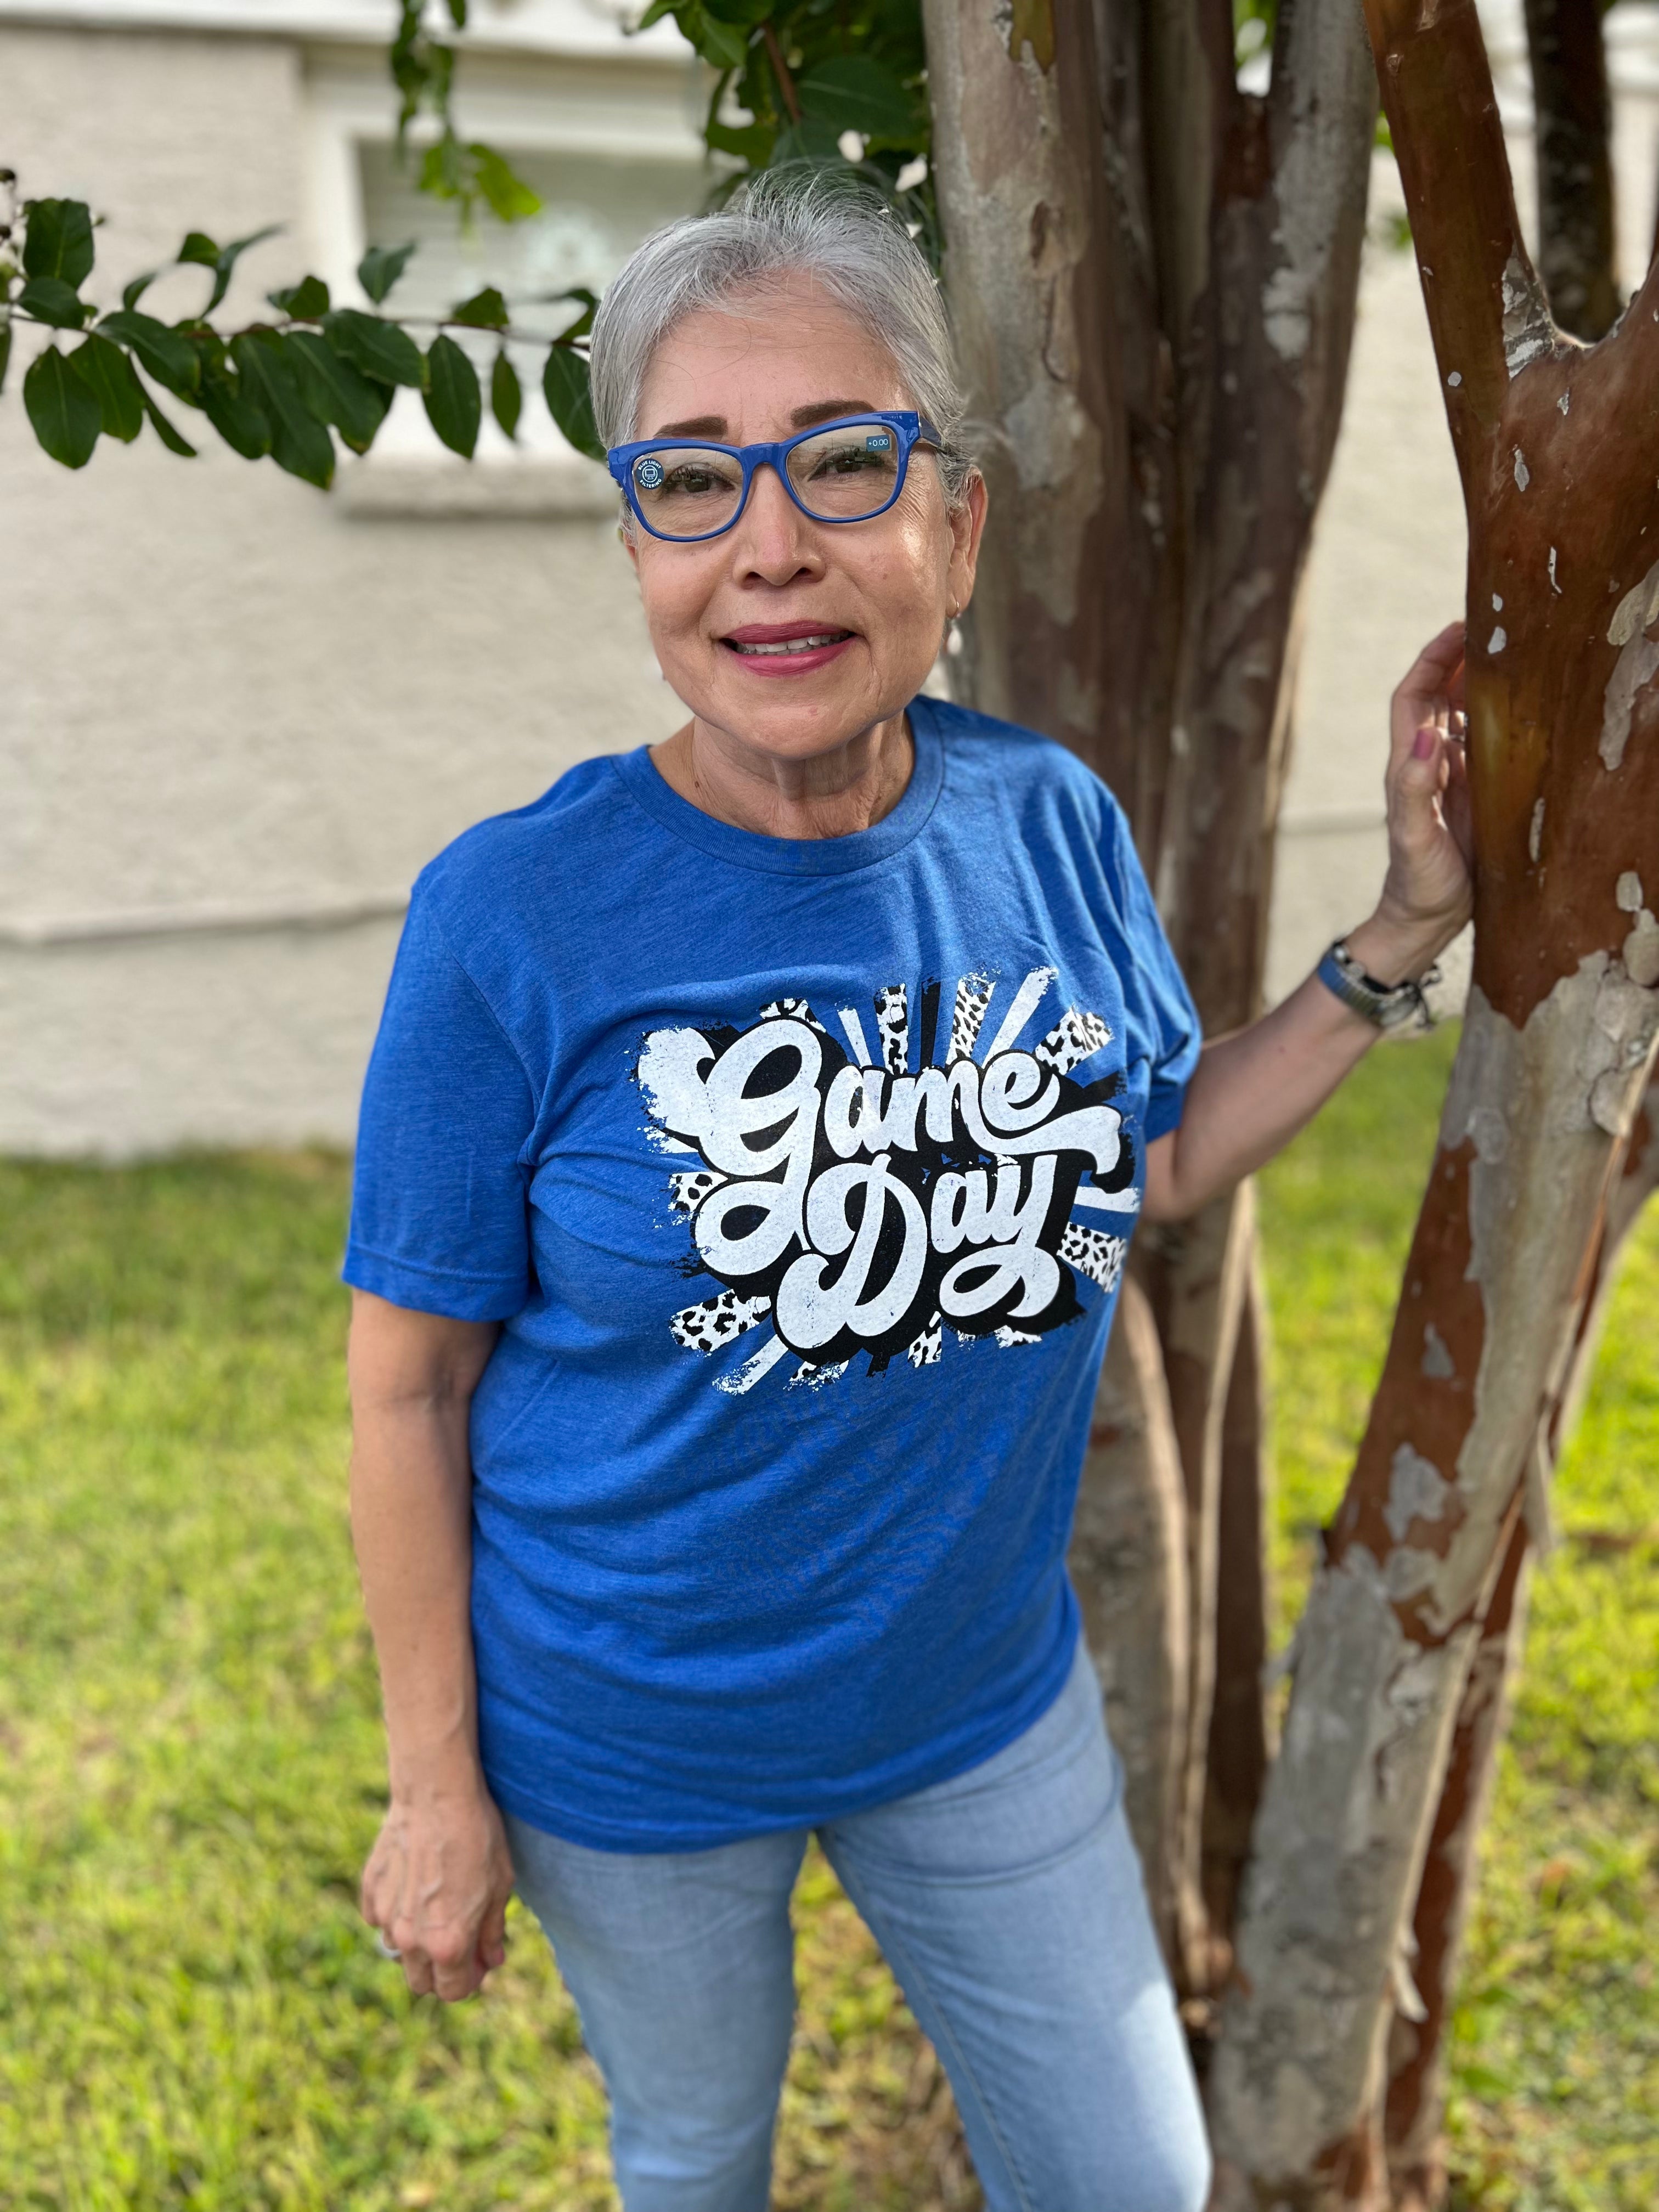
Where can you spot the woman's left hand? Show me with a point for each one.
(1428, 894)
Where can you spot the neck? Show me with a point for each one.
(833, 794)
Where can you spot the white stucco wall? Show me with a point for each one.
(227, 695)
(237, 716)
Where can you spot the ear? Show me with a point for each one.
(630, 543)
(966, 528)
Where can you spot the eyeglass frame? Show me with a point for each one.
(913, 430)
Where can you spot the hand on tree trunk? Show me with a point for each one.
(1429, 891)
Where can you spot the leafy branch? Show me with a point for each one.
(835, 84)
(277, 387)
(423, 70)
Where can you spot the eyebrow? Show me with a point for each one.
(801, 418)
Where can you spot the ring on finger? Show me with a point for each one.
(386, 1950)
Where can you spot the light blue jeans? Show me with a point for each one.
(1009, 1904)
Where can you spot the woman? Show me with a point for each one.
(748, 1155)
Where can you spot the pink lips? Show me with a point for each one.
(786, 648)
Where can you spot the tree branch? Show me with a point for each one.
(1487, 313)
(1576, 247)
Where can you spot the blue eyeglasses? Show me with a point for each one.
(848, 470)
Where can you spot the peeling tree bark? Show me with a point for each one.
(1417, 2052)
(1577, 254)
(1558, 447)
(1416, 2095)
(1153, 277)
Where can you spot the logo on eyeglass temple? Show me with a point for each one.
(879, 442)
(648, 473)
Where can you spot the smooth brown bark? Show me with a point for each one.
(1241, 1745)
(1557, 448)
(1577, 242)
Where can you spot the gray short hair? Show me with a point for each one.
(842, 235)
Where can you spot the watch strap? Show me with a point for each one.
(1388, 1006)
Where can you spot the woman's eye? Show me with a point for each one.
(847, 461)
(696, 481)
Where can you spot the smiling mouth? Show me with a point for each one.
(815, 643)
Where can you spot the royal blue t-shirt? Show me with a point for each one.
(800, 1174)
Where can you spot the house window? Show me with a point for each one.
(596, 208)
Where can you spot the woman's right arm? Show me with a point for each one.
(438, 1880)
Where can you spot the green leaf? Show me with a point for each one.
(458, 14)
(171, 439)
(452, 403)
(62, 408)
(227, 257)
(570, 399)
(199, 247)
(723, 45)
(505, 395)
(484, 310)
(443, 172)
(811, 140)
(584, 322)
(752, 144)
(131, 293)
(245, 428)
(307, 301)
(511, 200)
(58, 243)
(51, 301)
(855, 92)
(169, 356)
(5, 349)
(109, 373)
(380, 268)
(380, 348)
(298, 442)
(335, 390)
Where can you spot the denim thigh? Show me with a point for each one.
(681, 1966)
(1010, 1904)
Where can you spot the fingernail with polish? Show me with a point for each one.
(1424, 743)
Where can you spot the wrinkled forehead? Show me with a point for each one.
(758, 357)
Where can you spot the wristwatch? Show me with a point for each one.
(1388, 1004)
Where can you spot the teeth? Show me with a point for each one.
(797, 644)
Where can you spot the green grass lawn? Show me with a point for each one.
(191, 2013)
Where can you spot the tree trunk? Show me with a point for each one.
(1128, 1562)
(1153, 277)
(1423, 1991)
(1577, 252)
(1416, 2094)
(1557, 448)
(1241, 1746)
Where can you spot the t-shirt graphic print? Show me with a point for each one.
(797, 1176)
(857, 1203)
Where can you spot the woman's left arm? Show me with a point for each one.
(1252, 1092)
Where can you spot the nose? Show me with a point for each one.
(772, 539)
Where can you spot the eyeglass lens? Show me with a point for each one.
(838, 474)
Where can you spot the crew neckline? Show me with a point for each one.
(798, 856)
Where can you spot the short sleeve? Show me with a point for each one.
(439, 1206)
(1168, 1029)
